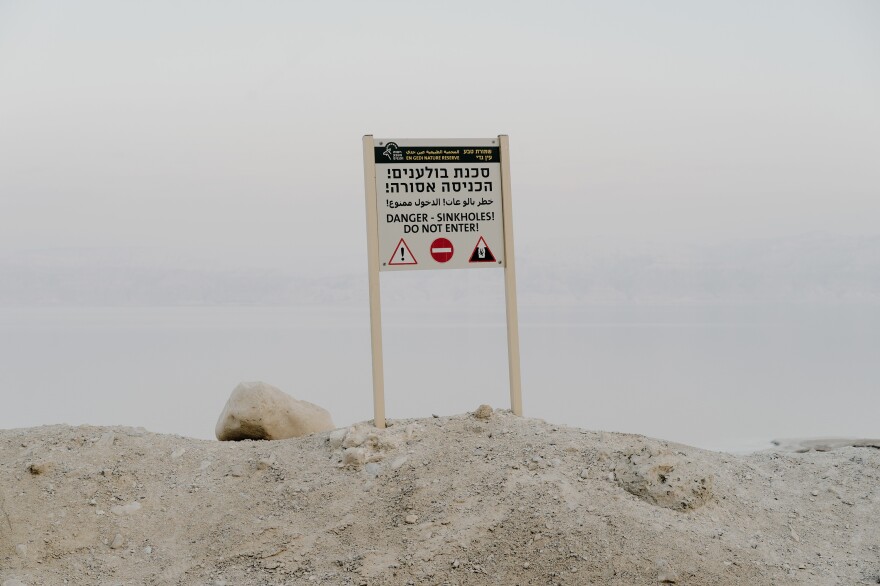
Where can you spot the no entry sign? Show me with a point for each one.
(432, 190)
(442, 250)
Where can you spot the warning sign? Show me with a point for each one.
(448, 203)
(402, 255)
(437, 195)
(481, 252)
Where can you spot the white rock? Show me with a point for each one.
(665, 573)
(336, 438)
(256, 410)
(266, 462)
(21, 549)
(355, 437)
(125, 509)
(385, 442)
(353, 457)
(411, 519)
(398, 462)
(117, 542)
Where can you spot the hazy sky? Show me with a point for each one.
(208, 124)
(233, 129)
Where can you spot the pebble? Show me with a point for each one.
(411, 519)
(21, 549)
(483, 412)
(354, 437)
(37, 468)
(456, 564)
(665, 573)
(336, 438)
(526, 565)
(815, 493)
(353, 457)
(178, 453)
(372, 469)
(148, 550)
(117, 542)
(125, 509)
(398, 462)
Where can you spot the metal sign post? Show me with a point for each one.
(373, 269)
(510, 283)
(439, 204)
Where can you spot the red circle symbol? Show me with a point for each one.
(441, 250)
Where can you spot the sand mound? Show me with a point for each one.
(459, 500)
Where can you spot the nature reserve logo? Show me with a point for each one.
(393, 152)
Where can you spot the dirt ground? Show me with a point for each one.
(481, 498)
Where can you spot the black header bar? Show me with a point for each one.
(391, 154)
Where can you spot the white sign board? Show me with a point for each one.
(439, 203)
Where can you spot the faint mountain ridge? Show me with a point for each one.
(813, 268)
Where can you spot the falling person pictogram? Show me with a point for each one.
(482, 252)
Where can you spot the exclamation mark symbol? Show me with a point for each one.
(402, 255)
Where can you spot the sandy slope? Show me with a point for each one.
(457, 500)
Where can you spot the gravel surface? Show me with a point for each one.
(489, 499)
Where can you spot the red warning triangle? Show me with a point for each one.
(402, 255)
(482, 253)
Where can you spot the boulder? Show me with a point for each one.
(256, 410)
(665, 478)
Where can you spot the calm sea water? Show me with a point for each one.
(729, 378)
